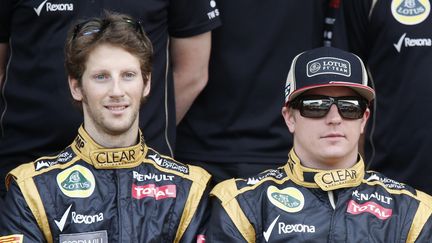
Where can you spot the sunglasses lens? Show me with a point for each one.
(351, 108)
(315, 108)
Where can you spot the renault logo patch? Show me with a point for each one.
(289, 199)
(410, 12)
(77, 182)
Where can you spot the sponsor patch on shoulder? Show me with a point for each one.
(95, 237)
(18, 238)
(169, 164)
(389, 183)
(46, 163)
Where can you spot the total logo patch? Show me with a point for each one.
(369, 207)
(328, 65)
(76, 182)
(289, 199)
(151, 190)
(410, 12)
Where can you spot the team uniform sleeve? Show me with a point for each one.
(426, 232)
(198, 225)
(354, 18)
(16, 219)
(221, 228)
(192, 17)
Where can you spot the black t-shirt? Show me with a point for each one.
(37, 115)
(237, 118)
(395, 40)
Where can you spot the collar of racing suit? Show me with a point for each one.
(108, 158)
(327, 180)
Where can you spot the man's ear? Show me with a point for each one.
(147, 86)
(365, 118)
(288, 115)
(75, 89)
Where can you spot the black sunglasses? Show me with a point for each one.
(317, 106)
(92, 26)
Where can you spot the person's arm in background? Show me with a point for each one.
(4, 54)
(190, 57)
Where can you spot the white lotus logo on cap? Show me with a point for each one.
(314, 67)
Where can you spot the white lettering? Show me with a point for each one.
(296, 228)
(417, 42)
(52, 7)
(86, 219)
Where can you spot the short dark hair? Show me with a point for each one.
(112, 28)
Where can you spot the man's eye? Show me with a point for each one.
(129, 75)
(100, 76)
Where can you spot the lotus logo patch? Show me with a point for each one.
(410, 12)
(289, 199)
(77, 182)
(328, 65)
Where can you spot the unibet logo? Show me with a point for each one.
(410, 12)
(289, 199)
(76, 181)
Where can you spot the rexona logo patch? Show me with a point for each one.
(77, 182)
(18, 238)
(369, 207)
(410, 12)
(289, 199)
(328, 65)
(53, 7)
(151, 190)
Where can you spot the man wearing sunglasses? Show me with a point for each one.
(323, 193)
(108, 185)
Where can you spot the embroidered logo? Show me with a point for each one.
(410, 12)
(151, 190)
(289, 199)
(369, 207)
(77, 182)
(328, 65)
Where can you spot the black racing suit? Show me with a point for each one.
(297, 204)
(88, 193)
